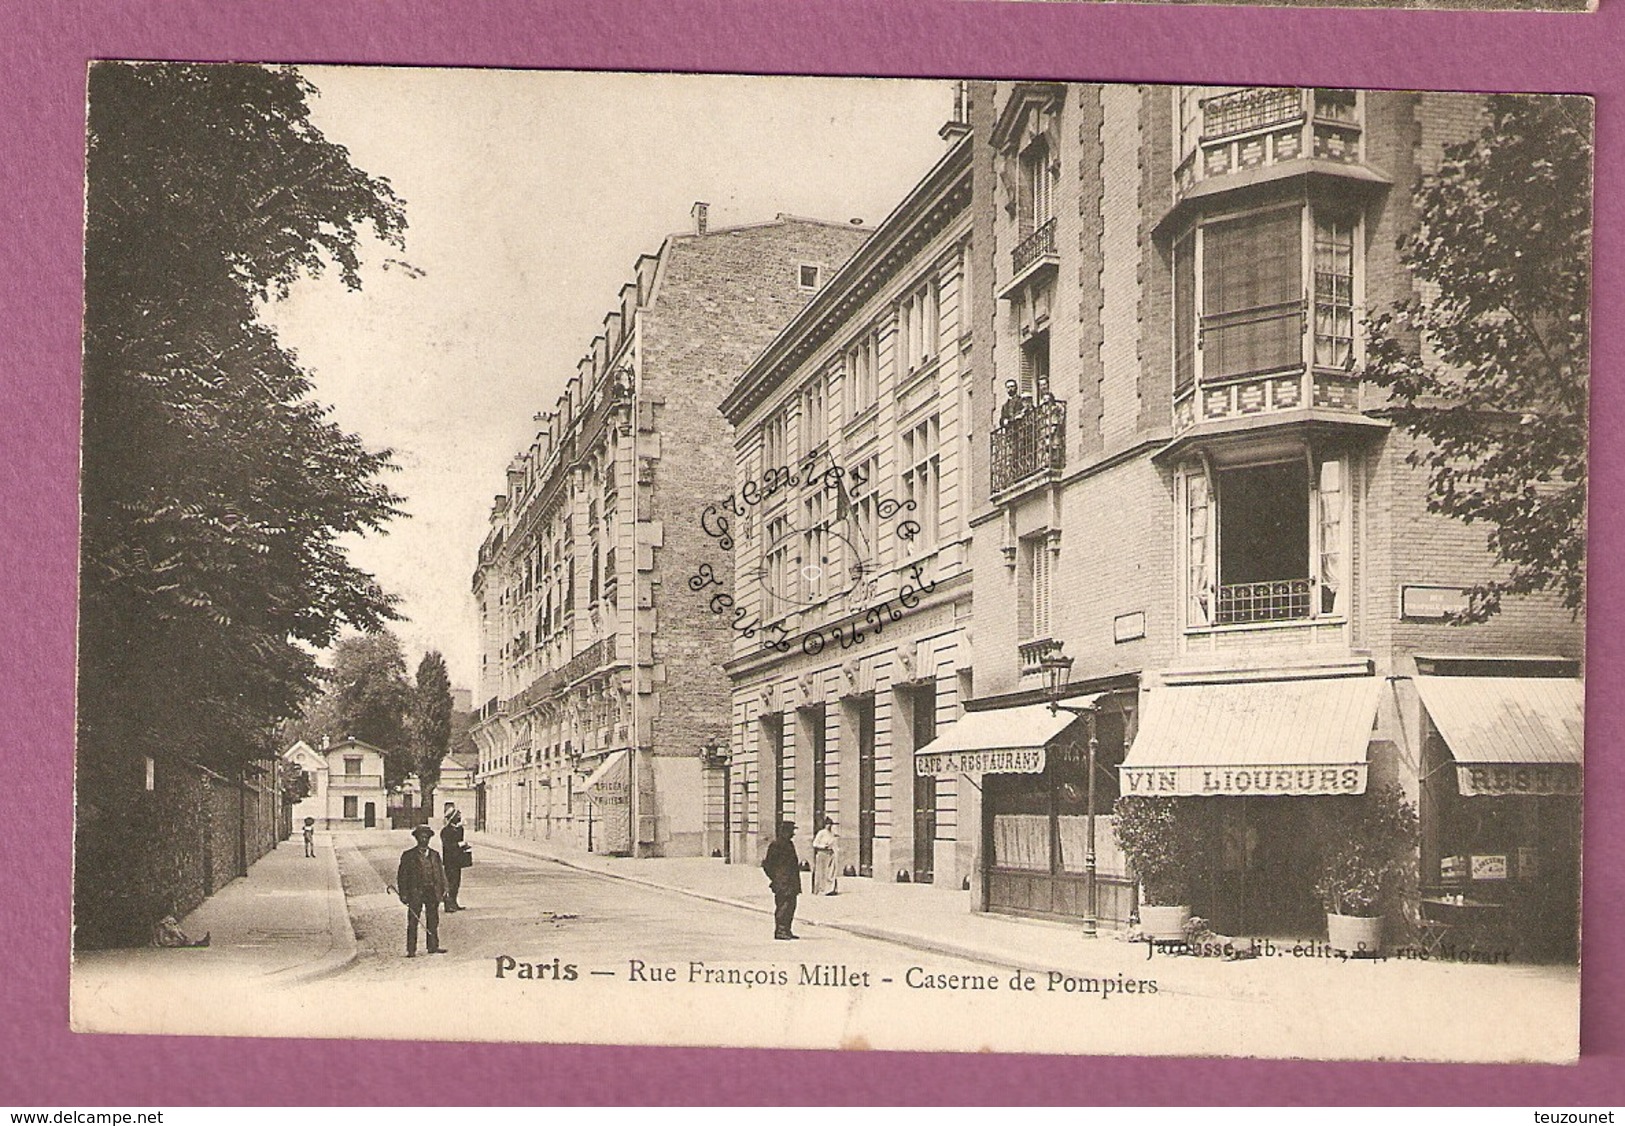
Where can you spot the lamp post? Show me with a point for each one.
(1057, 672)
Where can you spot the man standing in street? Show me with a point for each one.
(783, 868)
(455, 855)
(420, 882)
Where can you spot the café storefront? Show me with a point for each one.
(1031, 765)
(1500, 804)
(1267, 758)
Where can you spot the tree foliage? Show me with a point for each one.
(370, 697)
(215, 490)
(429, 723)
(1503, 257)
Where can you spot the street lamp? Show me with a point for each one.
(1057, 672)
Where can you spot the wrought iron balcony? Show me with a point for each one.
(1031, 445)
(1036, 246)
(1259, 126)
(1255, 107)
(1283, 600)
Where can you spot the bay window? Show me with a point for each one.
(1266, 542)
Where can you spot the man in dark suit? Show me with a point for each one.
(420, 882)
(783, 868)
(455, 855)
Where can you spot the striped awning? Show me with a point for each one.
(1510, 734)
(1259, 738)
(997, 741)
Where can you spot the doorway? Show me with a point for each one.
(924, 703)
(864, 713)
(369, 815)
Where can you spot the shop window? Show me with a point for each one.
(922, 471)
(1266, 543)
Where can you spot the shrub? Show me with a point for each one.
(1163, 839)
(1371, 841)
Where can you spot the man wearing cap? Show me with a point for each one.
(783, 868)
(420, 882)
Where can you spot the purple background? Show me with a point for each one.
(43, 51)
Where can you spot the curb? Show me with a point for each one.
(343, 948)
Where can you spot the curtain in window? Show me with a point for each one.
(1332, 555)
(1252, 294)
(1199, 550)
(1021, 840)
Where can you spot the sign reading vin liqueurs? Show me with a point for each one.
(1221, 781)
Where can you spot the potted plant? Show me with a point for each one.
(1371, 842)
(1162, 841)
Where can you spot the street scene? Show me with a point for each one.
(1109, 578)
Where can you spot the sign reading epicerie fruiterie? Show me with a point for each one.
(1219, 781)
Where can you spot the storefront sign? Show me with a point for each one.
(1025, 760)
(1489, 867)
(1234, 781)
(1483, 780)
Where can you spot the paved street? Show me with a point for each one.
(519, 905)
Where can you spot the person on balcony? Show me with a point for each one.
(1016, 403)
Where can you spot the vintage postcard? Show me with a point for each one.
(833, 563)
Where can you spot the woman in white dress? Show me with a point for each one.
(823, 865)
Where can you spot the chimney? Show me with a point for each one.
(959, 124)
(700, 211)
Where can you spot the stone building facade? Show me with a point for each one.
(848, 529)
(604, 709)
(1198, 501)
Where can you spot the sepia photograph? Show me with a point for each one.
(800, 562)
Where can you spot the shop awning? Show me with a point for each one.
(997, 741)
(1509, 734)
(608, 782)
(1259, 738)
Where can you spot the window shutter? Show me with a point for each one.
(1252, 294)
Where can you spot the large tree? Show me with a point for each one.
(1502, 253)
(370, 697)
(429, 723)
(216, 491)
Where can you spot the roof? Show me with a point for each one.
(1255, 737)
(1508, 720)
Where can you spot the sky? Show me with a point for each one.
(529, 196)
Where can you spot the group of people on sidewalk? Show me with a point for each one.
(426, 880)
(783, 868)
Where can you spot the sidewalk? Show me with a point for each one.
(286, 922)
(939, 921)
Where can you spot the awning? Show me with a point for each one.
(607, 784)
(997, 741)
(1510, 734)
(1259, 738)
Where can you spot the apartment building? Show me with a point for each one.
(604, 713)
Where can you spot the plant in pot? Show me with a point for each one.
(1162, 840)
(1371, 842)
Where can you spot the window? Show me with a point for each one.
(1032, 594)
(815, 557)
(814, 416)
(1251, 298)
(917, 326)
(922, 481)
(776, 568)
(352, 766)
(352, 807)
(862, 487)
(1035, 366)
(1037, 205)
(807, 276)
(1266, 543)
(1252, 294)
(860, 375)
(775, 452)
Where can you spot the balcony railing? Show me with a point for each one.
(1032, 443)
(1031, 654)
(1283, 600)
(1039, 244)
(1256, 107)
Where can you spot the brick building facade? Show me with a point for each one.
(605, 705)
(849, 534)
(1196, 498)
